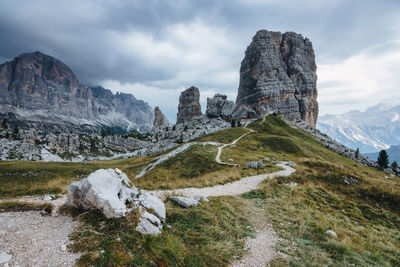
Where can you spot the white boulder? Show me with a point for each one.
(185, 202)
(111, 192)
(331, 233)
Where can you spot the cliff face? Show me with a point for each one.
(278, 74)
(40, 91)
(189, 105)
(35, 81)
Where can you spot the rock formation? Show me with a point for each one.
(219, 106)
(189, 105)
(278, 74)
(111, 192)
(160, 121)
(40, 91)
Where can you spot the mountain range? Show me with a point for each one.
(393, 153)
(376, 128)
(40, 91)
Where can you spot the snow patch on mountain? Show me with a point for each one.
(378, 127)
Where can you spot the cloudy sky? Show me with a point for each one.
(154, 49)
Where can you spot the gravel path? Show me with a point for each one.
(230, 189)
(29, 239)
(218, 157)
(261, 249)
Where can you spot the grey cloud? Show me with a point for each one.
(78, 33)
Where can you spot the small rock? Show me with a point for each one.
(292, 184)
(185, 202)
(201, 198)
(254, 164)
(230, 160)
(63, 248)
(47, 198)
(118, 171)
(45, 212)
(331, 233)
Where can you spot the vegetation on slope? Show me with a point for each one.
(196, 167)
(207, 235)
(359, 203)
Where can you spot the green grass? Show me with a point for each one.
(195, 167)
(23, 206)
(207, 235)
(367, 234)
(19, 178)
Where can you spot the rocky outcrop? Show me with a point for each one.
(40, 91)
(278, 74)
(111, 192)
(189, 105)
(219, 106)
(160, 121)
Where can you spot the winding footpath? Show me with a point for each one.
(12, 234)
(230, 189)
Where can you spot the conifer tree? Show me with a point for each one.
(383, 159)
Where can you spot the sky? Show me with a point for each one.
(155, 49)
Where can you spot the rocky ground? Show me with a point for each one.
(37, 146)
(30, 239)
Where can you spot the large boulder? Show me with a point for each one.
(189, 105)
(278, 74)
(111, 192)
(219, 106)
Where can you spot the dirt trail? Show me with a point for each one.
(29, 239)
(239, 187)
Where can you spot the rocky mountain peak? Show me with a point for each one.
(189, 105)
(40, 91)
(29, 71)
(160, 121)
(278, 74)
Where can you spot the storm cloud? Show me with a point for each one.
(154, 49)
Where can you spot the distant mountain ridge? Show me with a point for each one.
(37, 90)
(393, 153)
(378, 127)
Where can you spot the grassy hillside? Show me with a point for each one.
(361, 204)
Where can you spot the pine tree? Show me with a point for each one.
(180, 141)
(357, 153)
(103, 133)
(108, 130)
(233, 124)
(383, 160)
(394, 166)
(16, 132)
(5, 124)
